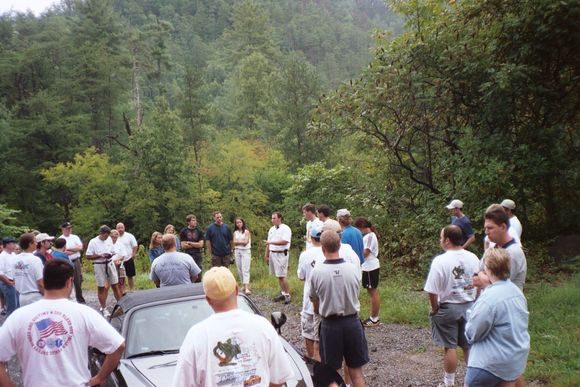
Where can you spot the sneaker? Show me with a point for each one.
(105, 312)
(287, 299)
(279, 297)
(370, 323)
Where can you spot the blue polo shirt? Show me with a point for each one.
(220, 238)
(353, 237)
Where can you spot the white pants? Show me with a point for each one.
(29, 298)
(243, 258)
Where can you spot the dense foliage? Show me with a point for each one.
(146, 110)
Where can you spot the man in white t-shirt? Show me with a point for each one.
(510, 207)
(7, 275)
(309, 213)
(232, 346)
(451, 294)
(28, 271)
(51, 337)
(277, 253)
(131, 245)
(101, 251)
(172, 267)
(310, 321)
(74, 247)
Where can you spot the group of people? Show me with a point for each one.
(479, 305)
(475, 304)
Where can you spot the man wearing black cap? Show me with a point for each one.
(74, 247)
(100, 250)
(7, 275)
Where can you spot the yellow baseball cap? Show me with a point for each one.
(219, 283)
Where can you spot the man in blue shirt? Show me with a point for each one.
(350, 235)
(219, 240)
(459, 219)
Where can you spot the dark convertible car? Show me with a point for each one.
(154, 323)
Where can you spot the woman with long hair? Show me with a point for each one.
(155, 247)
(242, 252)
(170, 229)
(370, 268)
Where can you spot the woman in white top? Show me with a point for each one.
(242, 252)
(370, 268)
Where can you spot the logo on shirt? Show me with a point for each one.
(226, 352)
(50, 332)
(238, 363)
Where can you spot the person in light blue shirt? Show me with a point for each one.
(350, 235)
(497, 327)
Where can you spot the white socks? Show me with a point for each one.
(449, 379)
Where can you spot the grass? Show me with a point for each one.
(554, 304)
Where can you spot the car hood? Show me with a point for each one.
(158, 370)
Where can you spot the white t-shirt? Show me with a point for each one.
(73, 241)
(516, 225)
(27, 271)
(371, 261)
(347, 253)
(173, 268)
(51, 339)
(451, 276)
(121, 251)
(314, 222)
(129, 241)
(98, 246)
(308, 260)
(238, 237)
(7, 264)
(231, 349)
(280, 233)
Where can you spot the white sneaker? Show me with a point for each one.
(105, 312)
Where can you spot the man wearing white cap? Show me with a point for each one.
(255, 355)
(459, 219)
(43, 244)
(510, 206)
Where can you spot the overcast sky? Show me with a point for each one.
(36, 6)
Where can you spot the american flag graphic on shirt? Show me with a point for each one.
(48, 327)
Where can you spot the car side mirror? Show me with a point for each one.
(278, 319)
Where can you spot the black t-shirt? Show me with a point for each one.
(192, 235)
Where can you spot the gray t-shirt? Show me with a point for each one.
(518, 265)
(336, 285)
(174, 268)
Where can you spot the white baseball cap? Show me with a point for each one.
(508, 203)
(455, 203)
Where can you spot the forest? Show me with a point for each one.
(143, 111)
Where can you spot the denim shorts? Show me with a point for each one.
(478, 377)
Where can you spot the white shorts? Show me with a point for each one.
(105, 273)
(279, 263)
(310, 324)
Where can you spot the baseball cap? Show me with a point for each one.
(66, 225)
(342, 212)
(218, 283)
(43, 237)
(316, 231)
(331, 225)
(455, 203)
(7, 240)
(508, 203)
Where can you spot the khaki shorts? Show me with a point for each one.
(105, 273)
(310, 324)
(278, 263)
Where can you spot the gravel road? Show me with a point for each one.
(400, 355)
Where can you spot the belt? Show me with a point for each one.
(23, 294)
(280, 251)
(104, 263)
(338, 316)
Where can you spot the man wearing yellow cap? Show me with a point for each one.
(231, 347)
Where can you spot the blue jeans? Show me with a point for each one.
(10, 297)
(478, 377)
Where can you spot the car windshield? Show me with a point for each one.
(161, 328)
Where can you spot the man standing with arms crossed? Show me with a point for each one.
(334, 294)
(74, 247)
(451, 294)
(192, 241)
(219, 240)
(131, 245)
(277, 253)
(51, 337)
